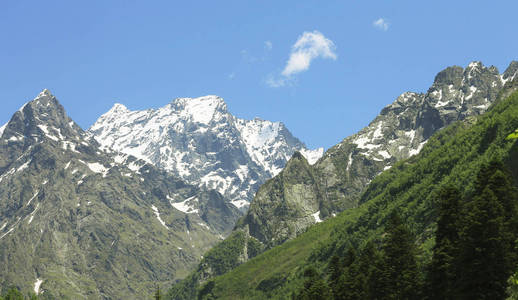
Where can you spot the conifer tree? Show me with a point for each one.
(399, 274)
(335, 271)
(315, 288)
(443, 272)
(371, 264)
(487, 257)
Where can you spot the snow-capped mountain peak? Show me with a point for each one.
(202, 143)
(118, 108)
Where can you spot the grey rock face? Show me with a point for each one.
(398, 132)
(92, 223)
(199, 141)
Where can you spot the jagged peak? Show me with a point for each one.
(511, 70)
(448, 76)
(44, 93)
(205, 100)
(42, 116)
(475, 64)
(201, 109)
(118, 108)
(404, 100)
(45, 98)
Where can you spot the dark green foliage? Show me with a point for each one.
(512, 289)
(453, 157)
(219, 260)
(270, 284)
(254, 247)
(206, 291)
(225, 256)
(315, 287)
(487, 257)
(443, 272)
(14, 294)
(399, 273)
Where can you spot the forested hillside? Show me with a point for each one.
(471, 162)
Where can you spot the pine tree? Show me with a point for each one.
(443, 272)
(315, 288)
(335, 271)
(371, 265)
(399, 274)
(487, 257)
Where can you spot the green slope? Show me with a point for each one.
(453, 156)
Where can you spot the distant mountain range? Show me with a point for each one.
(80, 219)
(139, 199)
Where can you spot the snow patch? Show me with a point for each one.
(32, 198)
(385, 154)
(157, 214)
(37, 285)
(98, 168)
(184, 206)
(33, 212)
(204, 225)
(24, 166)
(349, 162)
(312, 156)
(45, 130)
(416, 151)
(240, 203)
(2, 129)
(316, 216)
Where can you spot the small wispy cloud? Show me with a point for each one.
(381, 24)
(309, 46)
(232, 75)
(268, 45)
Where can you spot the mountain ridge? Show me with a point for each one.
(201, 142)
(339, 177)
(80, 221)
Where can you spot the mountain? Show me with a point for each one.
(81, 221)
(200, 142)
(398, 132)
(451, 157)
(304, 194)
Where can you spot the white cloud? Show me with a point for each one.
(268, 45)
(381, 24)
(278, 81)
(309, 45)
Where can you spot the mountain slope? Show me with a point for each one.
(89, 223)
(398, 132)
(202, 143)
(304, 194)
(453, 156)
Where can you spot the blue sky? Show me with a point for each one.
(361, 55)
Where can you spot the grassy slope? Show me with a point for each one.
(452, 156)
